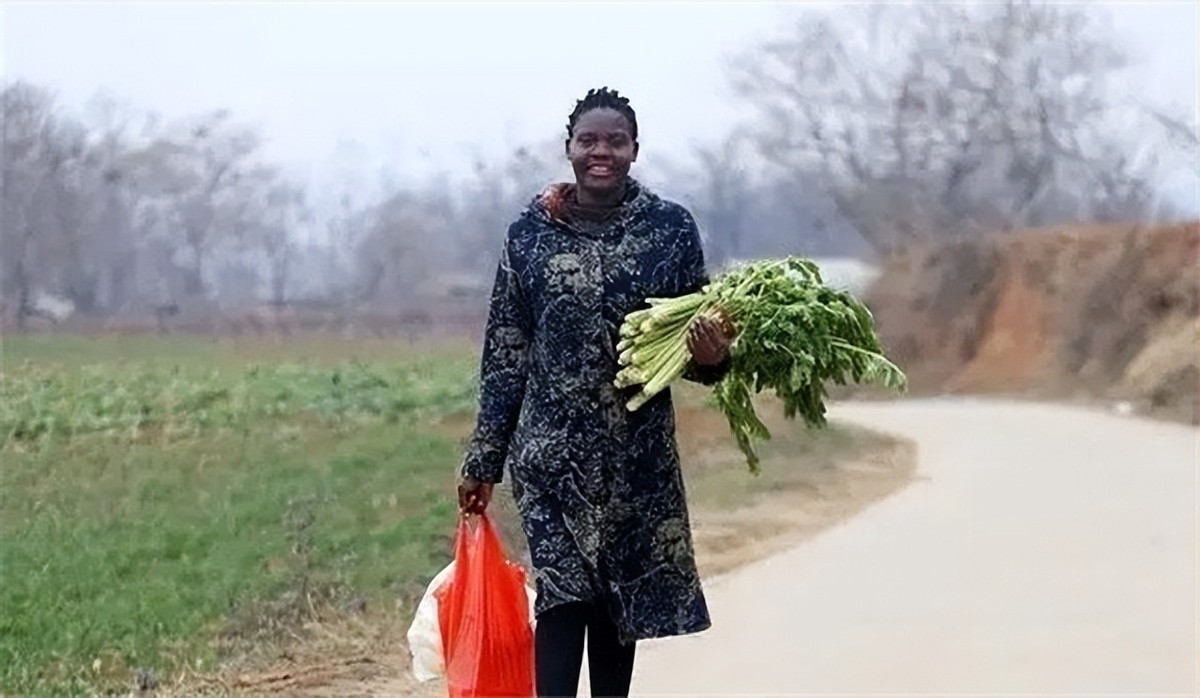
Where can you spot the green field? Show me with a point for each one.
(167, 504)
(185, 506)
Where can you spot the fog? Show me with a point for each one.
(220, 166)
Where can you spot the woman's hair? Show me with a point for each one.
(603, 98)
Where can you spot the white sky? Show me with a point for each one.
(418, 85)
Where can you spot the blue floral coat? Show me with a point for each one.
(599, 488)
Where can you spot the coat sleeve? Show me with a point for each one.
(695, 273)
(503, 371)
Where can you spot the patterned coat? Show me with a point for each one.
(599, 488)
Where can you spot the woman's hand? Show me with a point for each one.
(709, 339)
(474, 496)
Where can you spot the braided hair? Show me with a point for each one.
(603, 98)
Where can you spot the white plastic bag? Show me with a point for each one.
(425, 636)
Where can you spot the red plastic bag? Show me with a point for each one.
(483, 614)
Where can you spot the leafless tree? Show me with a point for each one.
(284, 213)
(401, 249)
(940, 119)
(496, 193)
(39, 156)
(721, 195)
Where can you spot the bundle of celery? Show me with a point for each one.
(795, 335)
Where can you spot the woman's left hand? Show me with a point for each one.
(709, 339)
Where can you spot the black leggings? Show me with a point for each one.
(559, 652)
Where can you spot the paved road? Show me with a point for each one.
(1043, 550)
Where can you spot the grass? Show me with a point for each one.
(183, 506)
(66, 351)
(180, 400)
(159, 510)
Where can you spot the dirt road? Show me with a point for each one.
(1043, 550)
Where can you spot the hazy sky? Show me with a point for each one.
(418, 85)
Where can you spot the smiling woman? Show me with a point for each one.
(602, 145)
(599, 487)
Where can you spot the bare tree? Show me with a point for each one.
(199, 170)
(285, 212)
(32, 161)
(100, 213)
(941, 119)
(722, 196)
(1181, 136)
(111, 242)
(403, 247)
(496, 194)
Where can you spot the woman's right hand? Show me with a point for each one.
(474, 496)
(710, 337)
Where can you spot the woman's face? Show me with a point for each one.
(601, 150)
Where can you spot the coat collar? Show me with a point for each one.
(547, 207)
